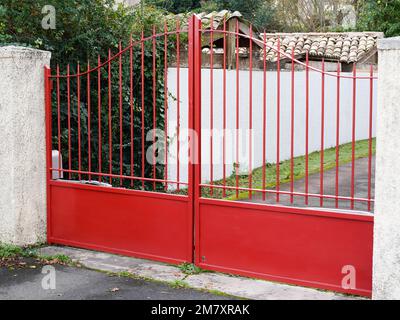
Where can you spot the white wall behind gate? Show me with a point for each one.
(346, 93)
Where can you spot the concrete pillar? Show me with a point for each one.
(22, 145)
(386, 264)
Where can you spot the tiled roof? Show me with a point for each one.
(218, 18)
(344, 47)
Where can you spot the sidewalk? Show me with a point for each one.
(207, 281)
(74, 283)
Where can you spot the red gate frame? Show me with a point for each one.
(285, 244)
(297, 246)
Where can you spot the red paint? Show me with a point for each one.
(109, 117)
(264, 116)
(131, 106)
(136, 223)
(69, 121)
(237, 109)
(79, 122)
(292, 129)
(58, 116)
(337, 133)
(100, 154)
(211, 104)
(371, 86)
(120, 115)
(178, 102)
(321, 168)
(48, 120)
(278, 117)
(142, 105)
(154, 105)
(89, 125)
(353, 138)
(307, 124)
(286, 244)
(166, 103)
(294, 245)
(250, 170)
(224, 114)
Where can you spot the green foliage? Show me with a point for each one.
(189, 268)
(84, 28)
(85, 31)
(10, 251)
(175, 6)
(261, 13)
(381, 15)
(57, 258)
(179, 284)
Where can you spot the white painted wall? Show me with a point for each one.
(362, 117)
(22, 145)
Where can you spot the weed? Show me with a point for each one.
(190, 268)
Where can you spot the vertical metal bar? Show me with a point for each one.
(237, 110)
(120, 115)
(211, 104)
(321, 170)
(196, 66)
(69, 122)
(278, 117)
(250, 111)
(264, 115)
(337, 134)
(166, 103)
(154, 106)
(292, 130)
(59, 120)
(99, 114)
(307, 120)
(371, 88)
(89, 120)
(48, 118)
(79, 122)
(142, 84)
(178, 102)
(191, 139)
(109, 117)
(353, 138)
(224, 115)
(131, 106)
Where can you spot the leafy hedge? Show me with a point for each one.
(86, 29)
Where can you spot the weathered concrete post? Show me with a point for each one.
(386, 273)
(22, 145)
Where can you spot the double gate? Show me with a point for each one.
(146, 157)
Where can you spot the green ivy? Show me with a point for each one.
(86, 30)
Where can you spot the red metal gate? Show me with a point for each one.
(298, 228)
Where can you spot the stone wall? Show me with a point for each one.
(22, 145)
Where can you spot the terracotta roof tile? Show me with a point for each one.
(344, 47)
(218, 18)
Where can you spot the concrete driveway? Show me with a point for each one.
(360, 189)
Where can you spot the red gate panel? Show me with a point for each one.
(279, 218)
(104, 190)
(129, 222)
(296, 246)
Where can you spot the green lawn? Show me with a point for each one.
(345, 151)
